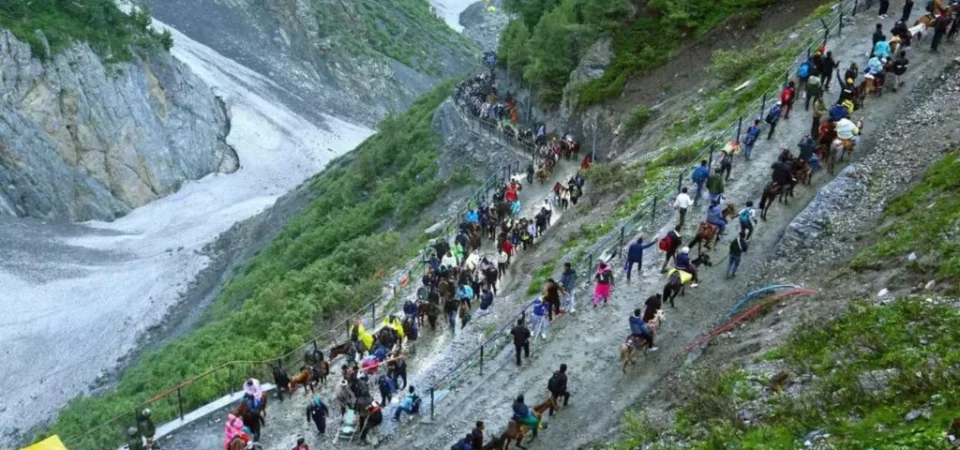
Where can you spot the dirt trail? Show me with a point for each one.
(588, 340)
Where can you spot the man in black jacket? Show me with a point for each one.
(939, 29)
(521, 339)
(558, 387)
(476, 436)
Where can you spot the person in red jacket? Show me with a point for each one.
(787, 97)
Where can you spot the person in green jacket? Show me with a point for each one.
(715, 186)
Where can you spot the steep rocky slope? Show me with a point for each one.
(81, 140)
(357, 59)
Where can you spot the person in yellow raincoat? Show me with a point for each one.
(394, 322)
(358, 334)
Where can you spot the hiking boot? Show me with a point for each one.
(653, 349)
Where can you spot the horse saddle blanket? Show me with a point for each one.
(685, 276)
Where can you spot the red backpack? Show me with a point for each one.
(666, 243)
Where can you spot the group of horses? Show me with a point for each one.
(549, 154)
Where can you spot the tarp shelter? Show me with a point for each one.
(50, 443)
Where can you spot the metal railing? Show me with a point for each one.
(612, 244)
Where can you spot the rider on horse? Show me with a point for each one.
(639, 329)
(684, 264)
(715, 216)
(523, 414)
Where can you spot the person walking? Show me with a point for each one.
(387, 388)
(568, 282)
(345, 397)
(877, 37)
(699, 176)
(503, 258)
(521, 339)
(682, 203)
(669, 244)
(829, 66)
(635, 255)
(538, 320)
(450, 308)
(748, 218)
(750, 138)
(726, 164)
(476, 435)
(900, 65)
(715, 187)
(773, 116)
(604, 287)
(939, 30)
(884, 6)
(557, 385)
(819, 111)
(907, 8)
(738, 247)
(787, 96)
(814, 90)
(318, 412)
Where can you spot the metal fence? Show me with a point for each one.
(612, 244)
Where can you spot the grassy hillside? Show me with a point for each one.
(109, 31)
(545, 42)
(405, 30)
(321, 264)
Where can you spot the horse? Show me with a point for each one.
(770, 192)
(250, 417)
(387, 337)
(676, 284)
(346, 348)
(516, 431)
(544, 172)
(429, 311)
(305, 378)
(802, 171)
(627, 348)
(707, 232)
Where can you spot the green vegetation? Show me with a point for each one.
(99, 23)
(637, 119)
(536, 286)
(925, 220)
(322, 264)
(405, 30)
(872, 366)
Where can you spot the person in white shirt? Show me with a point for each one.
(682, 203)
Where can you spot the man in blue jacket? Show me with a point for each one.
(635, 255)
(639, 330)
(523, 414)
(715, 217)
(699, 176)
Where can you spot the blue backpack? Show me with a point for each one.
(804, 70)
(745, 216)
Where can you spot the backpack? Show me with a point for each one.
(552, 383)
(772, 115)
(666, 243)
(804, 70)
(745, 216)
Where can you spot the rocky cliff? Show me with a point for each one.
(356, 59)
(80, 140)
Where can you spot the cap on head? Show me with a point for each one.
(637, 312)
(132, 431)
(685, 250)
(300, 440)
(563, 367)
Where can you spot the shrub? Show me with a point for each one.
(637, 119)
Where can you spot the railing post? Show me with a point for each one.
(856, 3)
(180, 402)
(590, 262)
(739, 126)
(481, 360)
(373, 314)
(431, 404)
(763, 104)
(679, 181)
(315, 345)
(839, 27)
(593, 154)
(623, 230)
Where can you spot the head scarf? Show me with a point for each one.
(252, 388)
(232, 429)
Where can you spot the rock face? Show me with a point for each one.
(81, 141)
(327, 54)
